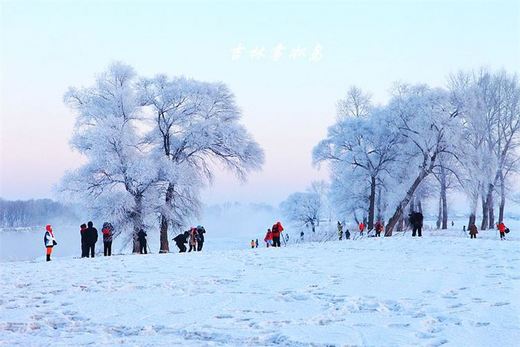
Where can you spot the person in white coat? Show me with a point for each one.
(49, 240)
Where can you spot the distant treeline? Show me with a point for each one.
(24, 213)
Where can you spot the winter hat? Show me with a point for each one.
(48, 228)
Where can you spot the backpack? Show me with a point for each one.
(507, 231)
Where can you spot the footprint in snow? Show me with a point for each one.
(500, 303)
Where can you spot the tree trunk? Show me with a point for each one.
(409, 194)
(491, 207)
(485, 211)
(419, 205)
(473, 210)
(165, 245)
(137, 221)
(371, 205)
(502, 199)
(379, 215)
(400, 224)
(444, 199)
(439, 214)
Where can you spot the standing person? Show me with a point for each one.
(141, 237)
(180, 240)
(84, 242)
(473, 231)
(200, 241)
(108, 232)
(502, 229)
(49, 241)
(256, 243)
(379, 227)
(416, 220)
(340, 231)
(361, 228)
(347, 234)
(252, 243)
(302, 234)
(277, 230)
(193, 239)
(268, 238)
(464, 228)
(92, 237)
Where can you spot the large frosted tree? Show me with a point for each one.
(196, 124)
(152, 144)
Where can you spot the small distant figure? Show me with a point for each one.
(379, 227)
(84, 242)
(256, 243)
(464, 228)
(286, 237)
(108, 232)
(276, 231)
(193, 240)
(200, 240)
(302, 234)
(49, 241)
(503, 230)
(416, 220)
(268, 239)
(180, 241)
(92, 238)
(141, 237)
(340, 231)
(361, 228)
(452, 224)
(252, 243)
(473, 231)
(347, 234)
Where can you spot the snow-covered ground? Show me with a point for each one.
(395, 291)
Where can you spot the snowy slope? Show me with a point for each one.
(371, 292)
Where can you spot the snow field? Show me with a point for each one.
(372, 292)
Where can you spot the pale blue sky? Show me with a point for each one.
(287, 104)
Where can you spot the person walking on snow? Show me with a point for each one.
(502, 229)
(361, 228)
(108, 232)
(200, 240)
(141, 237)
(49, 241)
(416, 220)
(276, 231)
(180, 240)
(193, 239)
(347, 234)
(92, 237)
(84, 242)
(268, 238)
(340, 231)
(473, 231)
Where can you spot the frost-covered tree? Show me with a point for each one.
(303, 208)
(490, 104)
(118, 175)
(360, 150)
(151, 145)
(196, 124)
(427, 122)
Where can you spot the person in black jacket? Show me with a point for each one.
(141, 237)
(84, 242)
(416, 220)
(108, 233)
(91, 238)
(200, 237)
(180, 240)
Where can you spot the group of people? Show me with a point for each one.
(194, 237)
(89, 238)
(273, 235)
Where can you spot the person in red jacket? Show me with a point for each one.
(361, 228)
(502, 229)
(276, 232)
(268, 238)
